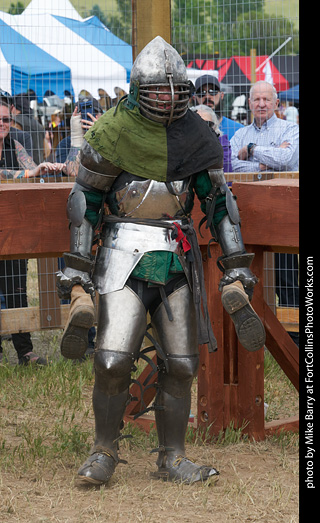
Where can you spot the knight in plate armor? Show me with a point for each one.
(141, 165)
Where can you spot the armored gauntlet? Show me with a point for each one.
(235, 262)
(79, 262)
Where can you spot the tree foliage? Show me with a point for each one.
(96, 11)
(16, 9)
(227, 28)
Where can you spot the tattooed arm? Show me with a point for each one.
(28, 168)
(72, 162)
(25, 161)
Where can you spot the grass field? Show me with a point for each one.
(47, 429)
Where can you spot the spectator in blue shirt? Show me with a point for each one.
(208, 92)
(269, 143)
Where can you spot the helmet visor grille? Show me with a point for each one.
(163, 105)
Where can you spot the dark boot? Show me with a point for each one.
(108, 411)
(172, 423)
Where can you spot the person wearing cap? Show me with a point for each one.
(23, 119)
(208, 92)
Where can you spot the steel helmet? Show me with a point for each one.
(156, 67)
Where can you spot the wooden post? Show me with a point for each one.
(253, 63)
(150, 18)
(50, 312)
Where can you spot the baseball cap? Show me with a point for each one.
(207, 79)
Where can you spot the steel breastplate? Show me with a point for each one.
(124, 244)
(151, 199)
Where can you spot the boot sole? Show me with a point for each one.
(249, 327)
(74, 342)
(91, 480)
(164, 475)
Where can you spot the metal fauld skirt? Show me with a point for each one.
(124, 244)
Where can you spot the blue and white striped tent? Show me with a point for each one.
(23, 66)
(97, 34)
(95, 62)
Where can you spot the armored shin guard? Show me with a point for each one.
(172, 420)
(103, 459)
(178, 338)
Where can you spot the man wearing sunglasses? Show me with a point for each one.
(208, 92)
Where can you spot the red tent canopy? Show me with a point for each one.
(236, 71)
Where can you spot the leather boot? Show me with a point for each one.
(249, 327)
(74, 342)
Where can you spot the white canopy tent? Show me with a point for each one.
(91, 69)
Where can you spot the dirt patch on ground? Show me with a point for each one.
(258, 482)
(255, 485)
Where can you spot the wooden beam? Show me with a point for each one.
(279, 425)
(211, 376)
(33, 218)
(269, 212)
(27, 319)
(250, 406)
(50, 314)
(281, 346)
(289, 318)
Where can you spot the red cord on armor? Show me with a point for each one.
(181, 237)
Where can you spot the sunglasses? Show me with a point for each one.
(212, 92)
(5, 120)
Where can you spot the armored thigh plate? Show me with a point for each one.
(122, 322)
(178, 339)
